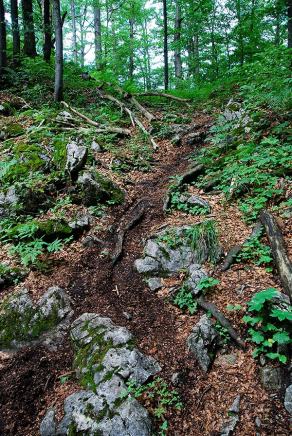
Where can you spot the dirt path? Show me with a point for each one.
(29, 382)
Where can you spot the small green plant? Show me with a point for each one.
(234, 307)
(184, 299)
(207, 283)
(178, 199)
(162, 397)
(270, 326)
(256, 251)
(223, 333)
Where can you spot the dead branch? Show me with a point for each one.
(163, 94)
(100, 129)
(280, 255)
(133, 117)
(221, 318)
(136, 214)
(234, 251)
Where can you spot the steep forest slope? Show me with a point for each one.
(180, 234)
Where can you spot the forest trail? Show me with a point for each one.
(30, 381)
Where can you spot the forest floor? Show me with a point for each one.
(30, 380)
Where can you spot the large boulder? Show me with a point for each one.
(203, 342)
(22, 321)
(105, 359)
(93, 188)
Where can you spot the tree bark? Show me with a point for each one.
(29, 46)
(177, 41)
(131, 58)
(15, 31)
(58, 94)
(47, 47)
(281, 258)
(3, 47)
(97, 38)
(289, 13)
(165, 45)
(74, 32)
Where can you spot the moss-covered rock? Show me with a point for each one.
(93, 188)
(22, 321)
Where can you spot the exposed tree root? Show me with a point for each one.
(281, 258)
(136, 214)
(234, 251)
(221, 318)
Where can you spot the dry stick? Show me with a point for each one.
(138, 211)
(128, 96)
(163, 94)
(221, 318)
(280, 255)
(234, 251)
(133, 118)
(95, 124)
(116, 130)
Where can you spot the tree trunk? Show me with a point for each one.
(47, 47)
(3, 47)
(29, 46)
(97, 38)
(59, 51)
(289, 13)
(131, 58)
(15, 31)
(74, 32)
(177, 42)
(165, 45)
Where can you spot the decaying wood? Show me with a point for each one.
(163, 94)
(133, 118)
(136, 214)
(206, 305)
(236, 249)
(100, 129)
(280, 255)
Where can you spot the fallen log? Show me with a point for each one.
(136, 214)
(206, 305)
(100, 129)
(163, 94)
(282, 261)
(236, 249)
(133, 118)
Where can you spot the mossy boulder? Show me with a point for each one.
(105, 358)
(93, 188)
(9, 275)
(22, 321)
(11, 130)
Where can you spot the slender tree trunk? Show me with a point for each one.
(240, 34)
(97, 38)
(147, 55)
(289, 13)
(74, 32)
(47, 47)
(131, 58)
(15, 31)
(196, 56)
(165, 45)
(177, 42)
(59, 51)
(3, 47)
(29, 46)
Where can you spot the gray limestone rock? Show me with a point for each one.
(271, 378)
(48, 424)
(228, 427)
(76, 157)
(288, 399)
(203, 342)
(196, 274)
(154, 283)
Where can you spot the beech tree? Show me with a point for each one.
(29, 45)
(47, 25)
(58, 94)
(3, 46)
(15, 31)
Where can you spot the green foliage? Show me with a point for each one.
(256, 251)
(207, 283)
(270, 326)
(223, 333)
(161, 396)
(178, 197)
(185, 299)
